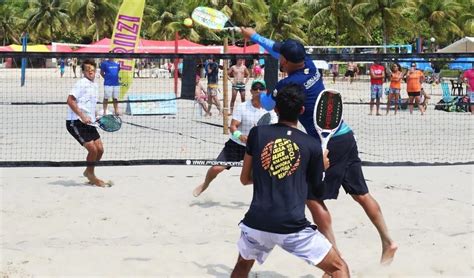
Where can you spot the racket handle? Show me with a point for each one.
(324, 144)
(236, 29)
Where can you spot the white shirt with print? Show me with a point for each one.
(248, 116)
(86, 93)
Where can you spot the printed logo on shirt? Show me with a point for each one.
(310, 82)
(281, 158)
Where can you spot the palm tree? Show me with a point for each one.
(10, 25)
(285, 19)
(341, 16)
(169, 20)
(46, 19)
(439, 16)
(385, 13)
(96, 17)
(466, 18)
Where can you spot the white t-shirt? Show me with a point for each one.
(248, 116)
(86, 93)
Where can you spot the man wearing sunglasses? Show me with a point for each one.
(245, 116)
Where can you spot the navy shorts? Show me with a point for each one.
(81, 132)
(231, 152)
(345, 169)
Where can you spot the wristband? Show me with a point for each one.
(236, 134)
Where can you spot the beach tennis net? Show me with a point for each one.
(164, 124)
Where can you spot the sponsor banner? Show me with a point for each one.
(125, 39)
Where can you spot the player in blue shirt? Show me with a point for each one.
(283, 164)
(109, 70)
(346, 166)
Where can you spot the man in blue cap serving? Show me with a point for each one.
(345, 165)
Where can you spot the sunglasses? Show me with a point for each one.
(260, 88)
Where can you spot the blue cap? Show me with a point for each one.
(292, 50)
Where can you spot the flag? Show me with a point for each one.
(125, 39)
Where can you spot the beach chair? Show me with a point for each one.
(446, 93)
(456, 88)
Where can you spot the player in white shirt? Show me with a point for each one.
(81, 112)
(246, 116)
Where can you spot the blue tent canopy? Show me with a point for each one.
(421, 64)
(462, 63)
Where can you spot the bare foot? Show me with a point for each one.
(378, 114)
(199, 189)
(88, 175)
(100, 183)
(388, 253)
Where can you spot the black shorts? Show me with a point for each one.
(345, 169)
(349, 73)
(414, 94)
(231, 152)
(81, 132)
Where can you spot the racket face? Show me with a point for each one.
(328, 111)
(110, 123)
(265, 119)
(210, 18)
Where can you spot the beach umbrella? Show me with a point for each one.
(462, 63)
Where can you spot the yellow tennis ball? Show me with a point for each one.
(188, 22)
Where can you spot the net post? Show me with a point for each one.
(225, 109)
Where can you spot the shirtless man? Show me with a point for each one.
(241, 77)
(351, 71)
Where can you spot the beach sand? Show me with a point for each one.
(149, 224)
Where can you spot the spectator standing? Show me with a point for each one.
(377, 75)
(468, 77)
(212, 86)
(395, 85)
(414, 79)
(109, 70)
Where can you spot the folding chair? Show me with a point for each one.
(456, 88)
(446, 93)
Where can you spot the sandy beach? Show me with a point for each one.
(149, 224)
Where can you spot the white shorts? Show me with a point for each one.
(111, 91)
(308, 244)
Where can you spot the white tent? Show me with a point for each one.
(321, 64)
(463, 45)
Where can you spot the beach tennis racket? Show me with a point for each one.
(109, 123)
(212, 19)
(327, 115)
(265, 119)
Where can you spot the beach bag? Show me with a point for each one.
(447, 106)
(462, 104)
(403, 102)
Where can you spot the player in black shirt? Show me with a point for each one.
(283, 163)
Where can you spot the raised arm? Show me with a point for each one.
(267, 44)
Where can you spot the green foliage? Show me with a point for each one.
(314, 22)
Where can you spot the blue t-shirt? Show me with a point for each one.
(312, 81)
(111, 73)
(286, 164)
